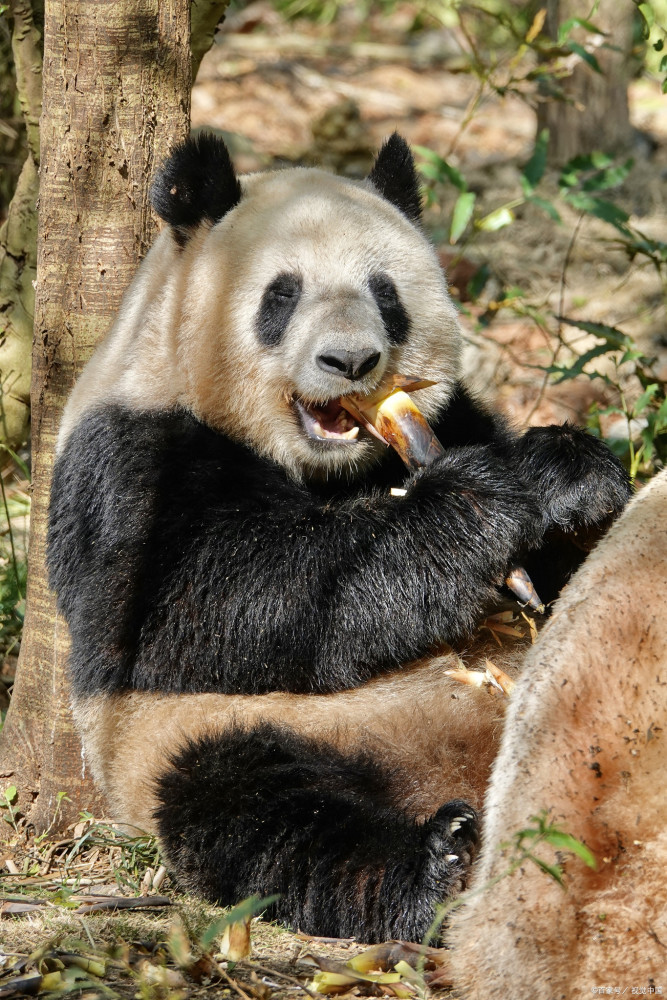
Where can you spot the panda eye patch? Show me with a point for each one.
(395, 318)
(278, 303)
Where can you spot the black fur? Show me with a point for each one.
(395, 177)
(165, 535)
(395, 318)
(267, 811)
(280, 299)
(196, 183)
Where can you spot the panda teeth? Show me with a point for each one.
(347, 435)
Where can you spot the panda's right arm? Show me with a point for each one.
(182, 562)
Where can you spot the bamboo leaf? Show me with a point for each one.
(566, 842)
(586, 56)
(553, 870)
(599, 207)
(610, 334)
(534, 169)
(463, 209)
(437, 169)
(577, 22)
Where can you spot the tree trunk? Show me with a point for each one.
(18, 244)
(593, 110)
(116, 99)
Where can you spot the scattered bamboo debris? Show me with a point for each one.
(394, 968)
(491, 677)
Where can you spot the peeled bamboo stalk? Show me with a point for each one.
(390, 414)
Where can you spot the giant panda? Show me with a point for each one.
(260, 625)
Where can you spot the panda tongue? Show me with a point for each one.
(332, 421)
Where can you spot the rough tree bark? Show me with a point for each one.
(594, 114)
(116, 97)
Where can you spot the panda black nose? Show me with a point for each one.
(349, 364)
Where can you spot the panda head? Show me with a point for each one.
(284, 291)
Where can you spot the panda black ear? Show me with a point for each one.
(395, 177)
(196, 183)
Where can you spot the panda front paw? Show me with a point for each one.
(579, 483)
(452, 843)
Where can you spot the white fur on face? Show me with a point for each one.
(186, 332)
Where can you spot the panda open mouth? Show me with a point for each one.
(327, 422)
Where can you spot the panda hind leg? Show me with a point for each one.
(265, 810)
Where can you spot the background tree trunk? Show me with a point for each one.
(116, 99)
(18, 236)
(594, 113)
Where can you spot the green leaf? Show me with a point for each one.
(534, 169)
(497, 219)
(453, 175)
(645, 399)
(632, 354)
(566, 842)
(566, 372)
(587, 57)
(610, 177)
(646, 12)
(437, 169)
(9, 796)
(577, 22)
(462, 214)
(429, 171)
(553, 870)
(19, 461)
(597, 160)
(513, 292)
(546, 206)
(476, 284)
(600, 208)
(659, 45)
(610, 334)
